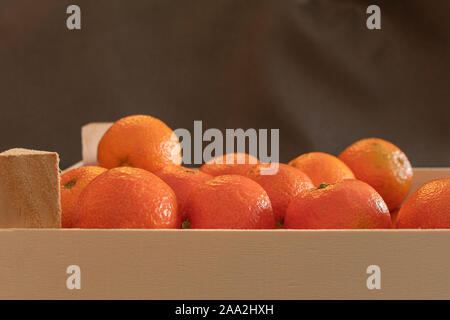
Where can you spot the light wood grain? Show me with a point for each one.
(29, 189)
(204, 264)
(91, 135)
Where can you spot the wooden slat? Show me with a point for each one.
(204, 264)
(90, 137)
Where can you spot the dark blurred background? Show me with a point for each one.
(310, 68)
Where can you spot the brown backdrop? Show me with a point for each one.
(310, 68)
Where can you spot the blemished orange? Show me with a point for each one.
(382, 165)
(72, 183)
(183, 181)
(281, 187)
(349, 204)
(139, 141)
(427, 208)
(231, 163)
(230, 202)
(322, 167)
(127, 198)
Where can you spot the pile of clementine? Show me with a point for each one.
(140, 183)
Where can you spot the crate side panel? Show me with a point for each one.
(224, 264)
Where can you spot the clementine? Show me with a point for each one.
(427, 208)
(139, 141)
(127, 198)
(382, 165)
(349, 204)
(281, 187)
(182, 181)
(232, 163)
(322, 168)
(72, 183)
(230, 202)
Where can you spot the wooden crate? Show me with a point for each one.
(225, 264)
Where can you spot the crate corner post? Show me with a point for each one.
(29, 189)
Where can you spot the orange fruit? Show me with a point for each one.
(322, 168)
(349, 204)
(230, 202)
(182, 181)
(232, 163)
(139, 141)
(281, 187)
(427, 208)
(72, 183)
(127, 198)
(382, 165)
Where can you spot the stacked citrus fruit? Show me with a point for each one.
(140, 183)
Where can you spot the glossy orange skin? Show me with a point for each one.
(322, 168)
(427, 208)
(230, 202)
(382, 165)
(127, 198)
(282, 186)
(349, 204)
(72, 183)
(183, 181)
(139, 141)
(232, 163)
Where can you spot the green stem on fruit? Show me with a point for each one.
(70, 184)
(322, 186)
(186, 224)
